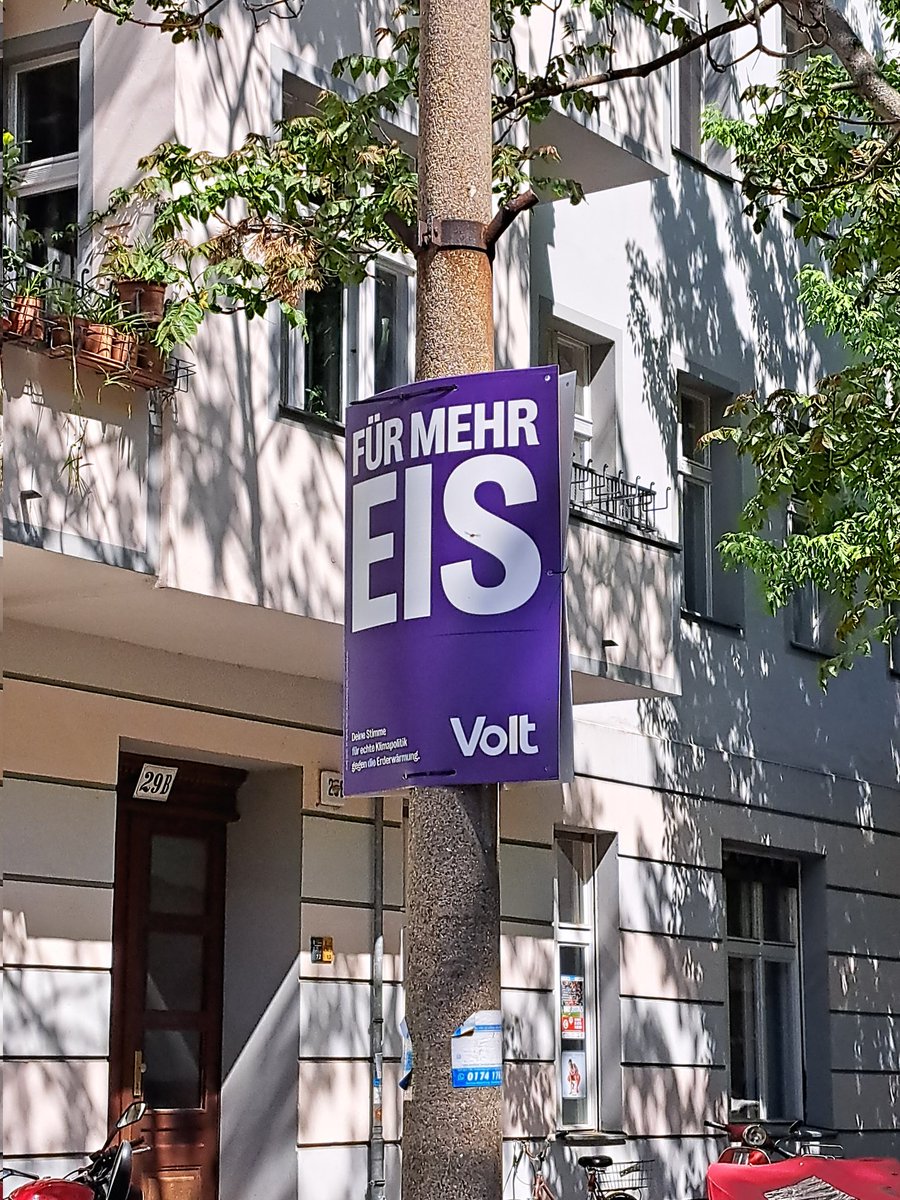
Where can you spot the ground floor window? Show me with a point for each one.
(580, 859)
(762, 914)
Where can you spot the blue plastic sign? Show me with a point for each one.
(454, 611)
(476, 1051)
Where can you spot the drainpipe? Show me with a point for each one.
(376, 1032)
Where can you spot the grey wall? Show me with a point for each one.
(260, 1040)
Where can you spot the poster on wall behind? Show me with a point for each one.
(573, 1069)
(571, 1006)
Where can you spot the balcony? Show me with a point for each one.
(620, 591)
(86, 390)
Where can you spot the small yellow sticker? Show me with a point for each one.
(321, 949)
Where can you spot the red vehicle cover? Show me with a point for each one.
(53, 1189)
(806, 1178)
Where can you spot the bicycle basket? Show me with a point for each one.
(625, 1176)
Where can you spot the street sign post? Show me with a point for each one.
(455, 609)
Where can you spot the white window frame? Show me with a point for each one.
(45, 174)
(403, 267)
(698, 471)
(582, 451)
(583, 936)
(759, 951)
(295, 348)
(357, 344)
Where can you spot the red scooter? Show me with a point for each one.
(799, 1164)
(106, 1175)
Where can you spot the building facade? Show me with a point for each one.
(705, 921)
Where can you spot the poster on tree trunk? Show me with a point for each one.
(456, 662)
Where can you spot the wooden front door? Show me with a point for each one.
(168, 942)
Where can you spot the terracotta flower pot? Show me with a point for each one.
(138, 296)
(150, 358)
(124, 348)
(66, 331)
(26, 317)
(98, 339)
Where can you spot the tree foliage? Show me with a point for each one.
(832, 156)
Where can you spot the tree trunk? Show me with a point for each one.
(451, 1138)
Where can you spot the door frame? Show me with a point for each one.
(201, 791)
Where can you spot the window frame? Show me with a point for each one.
(698, 471)
(893, 643)
(582, 936)
(597, 428)
(582, 450)
(357, 348)
(44, 175)
(820, 638)
(691, 62)
(405, 315)
(758, 950)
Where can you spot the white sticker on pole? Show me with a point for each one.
(476, 1051)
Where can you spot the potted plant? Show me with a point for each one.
(25, 318)
(103, 328)
(67, 316)
(141, 273)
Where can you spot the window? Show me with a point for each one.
(701, 79)
(589, 1032)
(894, 643)
(710, 487)
(328, 366)
(592, 359)
(358, 341)
(687, 88)
(801, 44)
(43, 102)
(577, 1058)
(812, 611)
(696, 503)
(764, 1010)
(316, 357)
(391, 339)
(688, 103)
(796, 42)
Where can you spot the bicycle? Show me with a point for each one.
(540, 1188)
(606, 1179)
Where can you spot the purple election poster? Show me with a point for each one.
(454, 583)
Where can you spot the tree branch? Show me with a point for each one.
(859, 64)
(505, 217)
(544, 91)
(403, 231)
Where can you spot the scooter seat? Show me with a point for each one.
(595, 1161)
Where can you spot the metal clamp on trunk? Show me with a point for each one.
(452, 234)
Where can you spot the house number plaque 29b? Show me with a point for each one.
(155, 782)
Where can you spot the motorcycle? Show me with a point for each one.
(105, 1176)
(799, 1164)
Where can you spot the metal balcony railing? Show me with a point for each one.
(613, 498)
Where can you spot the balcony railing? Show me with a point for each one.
(613, 498)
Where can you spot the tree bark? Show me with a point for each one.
(859, 64)
(452, 1138)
